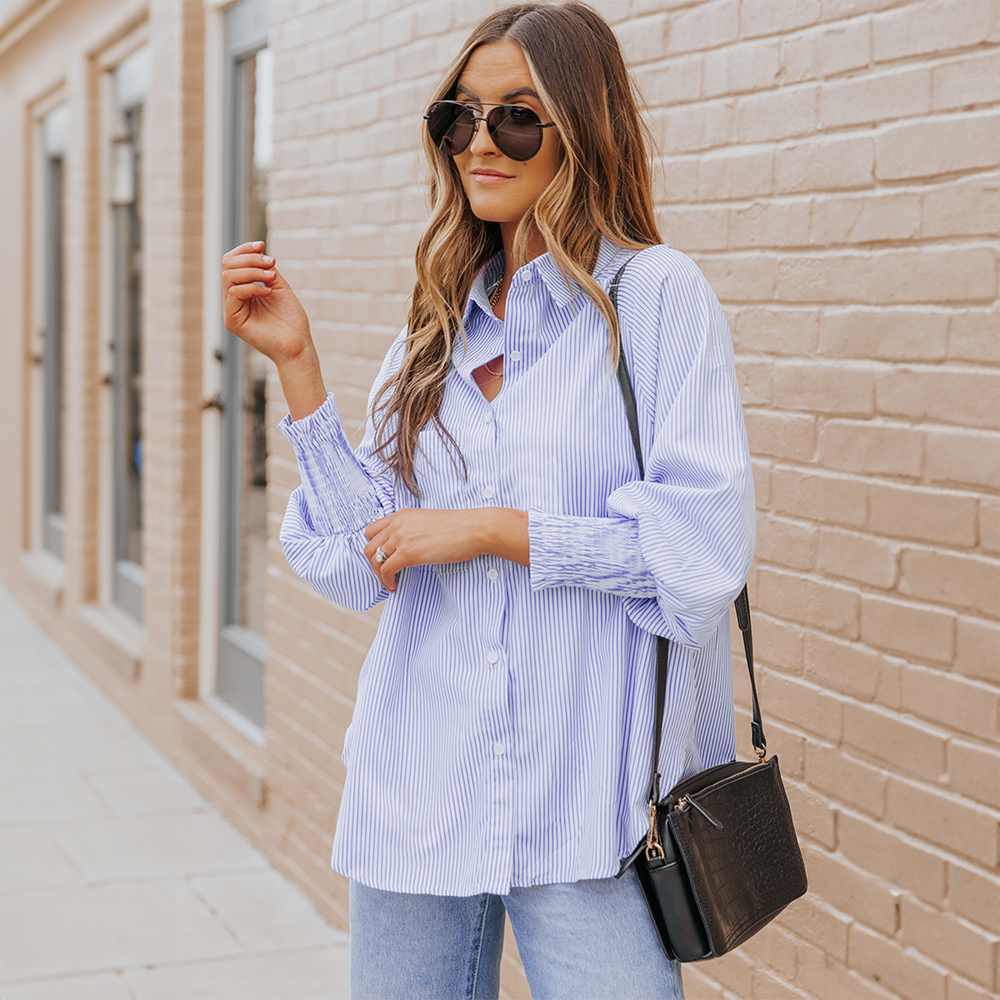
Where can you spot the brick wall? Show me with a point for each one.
(833, 169)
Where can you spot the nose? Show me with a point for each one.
(482, 142)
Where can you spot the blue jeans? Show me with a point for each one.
(577, 940)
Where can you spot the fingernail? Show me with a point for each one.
(257, 244)
(268, 261)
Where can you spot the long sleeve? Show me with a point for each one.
(677, 545)
(342, 491)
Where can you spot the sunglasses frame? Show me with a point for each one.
(470, 105)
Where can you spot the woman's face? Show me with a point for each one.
(501, 189)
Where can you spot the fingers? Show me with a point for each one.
(239, 275)
(391, 563)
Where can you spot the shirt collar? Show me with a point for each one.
(543, 268)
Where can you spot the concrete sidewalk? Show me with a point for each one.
(118, 881)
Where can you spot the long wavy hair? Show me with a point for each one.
(602, 187)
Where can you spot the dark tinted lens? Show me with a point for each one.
(451, 126)
(515, 131)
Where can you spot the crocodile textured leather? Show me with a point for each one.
(744, 873)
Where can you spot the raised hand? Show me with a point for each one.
(271, 319)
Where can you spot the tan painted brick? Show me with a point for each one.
(972, 78)
(845, 778)
(801, 703)
(771, 115)
(945, 699)
(759, 17)
(972, 335)
(906, 972)
(676, 80)
(767, 984)
(861, 558)
(934, 26)
(775, 642)
(733, 172)
(870, 446)
(947, 395)
(761, 482)
(962, 989)
(832, 163)
(865, 218)
(896, 857)
(911, 629)
(781, 435)
(876, 97)
(974, 770)
(734, 971)
(754, 377)
(820, 923)
(989, 523)
(782, 742)
(952, 823)
(829, 387)
(931, 515)
(825, 977)
(770, 224)
(845, 46)
(807, 599)
(776, 331)
(800, 57)
(962, 457)
(696, 227)
(698, 986)
(976, 649)
(852, 890)
(739, 277)
(907, 743)
(975, 895)
(969, 206)
(741, 68)
(693, 127)
(938, 146)
(959, 579)
(820, 496)
(885, 334)
(705, 26)
(791, 544)
(852, 669)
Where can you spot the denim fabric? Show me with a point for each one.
(589, 940)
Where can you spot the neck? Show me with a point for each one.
(536, 247)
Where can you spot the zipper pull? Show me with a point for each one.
(683, 802)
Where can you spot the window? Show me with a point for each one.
(54, 145)
(243, 576)
(131, 82)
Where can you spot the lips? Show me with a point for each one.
(491, 173)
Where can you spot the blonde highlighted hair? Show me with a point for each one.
(603, 187)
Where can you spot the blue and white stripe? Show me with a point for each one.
(504, 716)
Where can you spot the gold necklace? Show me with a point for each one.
(495, 294)
(491, 371)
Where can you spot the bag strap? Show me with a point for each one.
(742, 602)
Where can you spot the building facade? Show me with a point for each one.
(833, 166)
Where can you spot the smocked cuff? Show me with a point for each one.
(338, 491)
(599, 553)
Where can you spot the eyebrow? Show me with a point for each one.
(509, 96)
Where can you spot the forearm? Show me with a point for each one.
(503, 532)
(302, 384)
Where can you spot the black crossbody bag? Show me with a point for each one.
(720, 859)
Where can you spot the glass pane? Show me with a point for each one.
(131, 362)
(255, 156)
(53, 337)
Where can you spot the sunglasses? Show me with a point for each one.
(515, 130)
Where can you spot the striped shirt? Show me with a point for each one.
(503, 725)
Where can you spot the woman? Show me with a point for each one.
(498, 759)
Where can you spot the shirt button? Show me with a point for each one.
(492, 656)
(488, 492)
(515, 355)
(498, 749)
(492, 573)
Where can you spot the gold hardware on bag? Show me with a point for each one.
(761, 754)
(653, 847)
